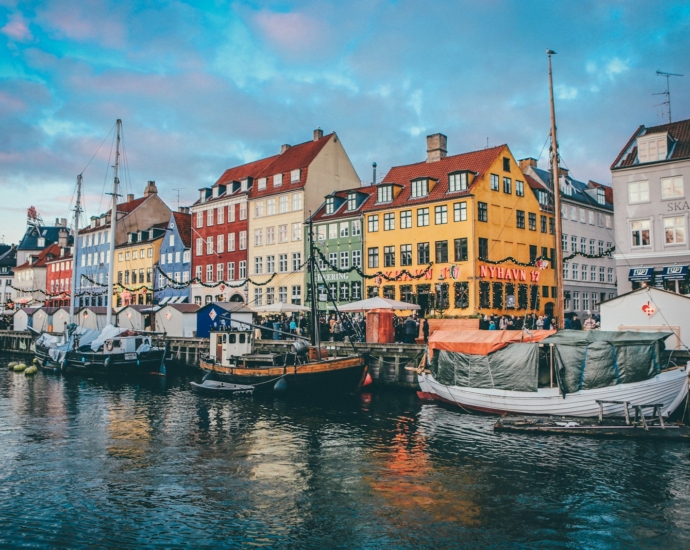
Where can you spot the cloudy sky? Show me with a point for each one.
(206, 85)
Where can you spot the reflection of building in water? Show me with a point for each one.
(129, 429)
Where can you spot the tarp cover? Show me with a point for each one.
(481, 342)
(586, 360)
(514, 367)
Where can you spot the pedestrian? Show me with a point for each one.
(425, 330)
(492, 325)
(590, 324)
(577, 324)
(410, 330)
(568, 324)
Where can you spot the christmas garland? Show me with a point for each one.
(400, 276)
(510, 259)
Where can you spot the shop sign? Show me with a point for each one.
(507, 274)
(649, 309)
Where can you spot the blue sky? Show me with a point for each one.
(203, 86)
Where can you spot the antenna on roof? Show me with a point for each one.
(667, 93)
(487, 142)
(178, 189)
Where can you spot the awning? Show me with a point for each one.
(164, 300)
(674, 272)
(482, 342)
(641, 274)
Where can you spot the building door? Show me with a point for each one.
(219, 346)
(548, 308)
(423, 304)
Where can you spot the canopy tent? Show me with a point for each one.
(377, 302)
(482, 342)
(279, 307)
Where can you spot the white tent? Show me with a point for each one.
(177, 320)
(279, 307)
(377, 302)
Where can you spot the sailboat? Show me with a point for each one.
(563, 373)
(305, 368)
(113, 350)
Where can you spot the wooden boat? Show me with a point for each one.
(213, 387)
(489, 374)
(232, 359)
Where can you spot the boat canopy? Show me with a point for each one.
(482, 342)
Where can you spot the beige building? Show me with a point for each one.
(280, 201)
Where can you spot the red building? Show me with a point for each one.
(59, 280)
(220, 223)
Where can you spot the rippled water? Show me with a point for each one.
(150, 464)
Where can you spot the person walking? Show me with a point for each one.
(425, 330)
(410, 330)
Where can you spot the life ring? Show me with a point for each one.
(109, 345)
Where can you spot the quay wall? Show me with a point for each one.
(387, 362)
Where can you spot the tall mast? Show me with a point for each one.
(75, 233)
(113, 223)
(312, 280)
(555, 184)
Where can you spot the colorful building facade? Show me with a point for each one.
(459, 235)
(59, 280)
(135, 262)
(175, 260)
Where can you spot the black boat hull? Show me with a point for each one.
(98, 363)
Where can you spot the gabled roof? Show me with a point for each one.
(249, 170)
(184, 227)
(579, 190)
(341, 211)
(679, 133)
(184, 308)
(646, 289)
(478, 162)
(125, 207)
(232, 307)
(148, 239)
(44, 256)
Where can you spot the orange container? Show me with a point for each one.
(380, 326)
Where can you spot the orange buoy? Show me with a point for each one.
(368, 381)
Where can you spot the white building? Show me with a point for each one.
(177, 320)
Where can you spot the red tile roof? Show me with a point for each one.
(125, 207)
(341, 211)
(608, 191)
(534, 184)
(184, 227)
(249, 170)
(476, 161)
(47, 254)
(679, 132)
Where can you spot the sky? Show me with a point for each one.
(203, 86)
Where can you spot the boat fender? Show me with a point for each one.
(281, 386)
(368, 381)
(31, 370)
(12, 365)
(20, 367)
(109, 345)
(107, 361)
(35, 361)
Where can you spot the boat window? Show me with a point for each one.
(116, 343)
(232, 339)
(225, 338)
(137, 343)
(242, 338)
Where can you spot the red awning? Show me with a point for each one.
(482, 342)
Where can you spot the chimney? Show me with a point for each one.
(62, 238)
(562, 172)
(150, 189)
(130, 197)
(373, 167)
(436, 147)
(284, 147)
(318, 134)
(529, 162)
(183, 209)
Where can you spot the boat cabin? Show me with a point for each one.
(127, 344)
(226, 345)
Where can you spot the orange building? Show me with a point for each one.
(469, 232)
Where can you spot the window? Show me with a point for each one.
(566, 270)
(352, 201)
(674, 230)
(575, 272)
(564, 242)
(282, 294)
(282, 263)
(576, 300)
(573, 213)
(270, 296)
(640, 232)
(270, 207)
(441, 214)
(483, 212)
(231, 213)
(542, 219)
(277, 180)
(389, 222)
(584, 272)
(638, 191)
(297, 231)
(457, 182)
(296, 261)
(344, 260)
(494, 182)
(389, 256)
(373, 223)
(601, 196)
(652, 147)
(532, 253)
(608, 222)
(259, 292)
(282, 233)
(209, 273)
(483, 248)
(420, 188)
(460, 211)
(609, 275)
(231, 271)
(209, 245)
(590, 217)
(461, 249)
(219, 272)
(506, 164)
(422, 217)
(601, 248)
(593, 273)
(231, 242)
(295, 175)
(258, 265)
(602, 275)
(258, 209)
(520, 219)
(357, 258)
(199, 219)
(573, 243)
(373, 257)
(270, 264)
(600, 219)
(243, 240)
(405, 254)
(552, 226)
(384, 193)
(356, 228)
(405, 219)
(197, 273)
(296, 201)
(423, 256)
(585, 300)
(583, 245)
(520, 188)
(333, 231)
(297, 295)
(261, 184)
(220, 247)
(283, 204)
(356, 291)
(209, 217)
(672, 188)
(243, 210)
(270, 235)
(507, 186)
(199, 247)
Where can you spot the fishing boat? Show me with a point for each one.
(564, 373)
(113, 350)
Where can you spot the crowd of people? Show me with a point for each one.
(532, 321)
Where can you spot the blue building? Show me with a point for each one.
(211, 317)
(175, 259)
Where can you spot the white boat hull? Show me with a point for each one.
(669, 388)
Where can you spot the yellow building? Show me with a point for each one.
(465, 227)
(135, 263)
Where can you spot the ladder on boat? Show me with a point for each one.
(638, 408)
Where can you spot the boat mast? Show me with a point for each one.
(73, 289)
(556, 188)
(113, 223)
(312, 280)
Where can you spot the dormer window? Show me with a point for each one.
(130, 237)
(277, 180)
(295, 175)
(652, 147)
(41, 242)
(244, 185)
(601, 196)
(352, 201)
(202, 195)
(330, 205)
(139, 236)
(262, 184)
(385, 193)
(150, 233)
(215, 192)
(420, 188)
(457, 182)
(542, 197)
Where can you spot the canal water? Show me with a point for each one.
(98, 463)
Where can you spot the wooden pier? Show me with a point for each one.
(387, 362)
